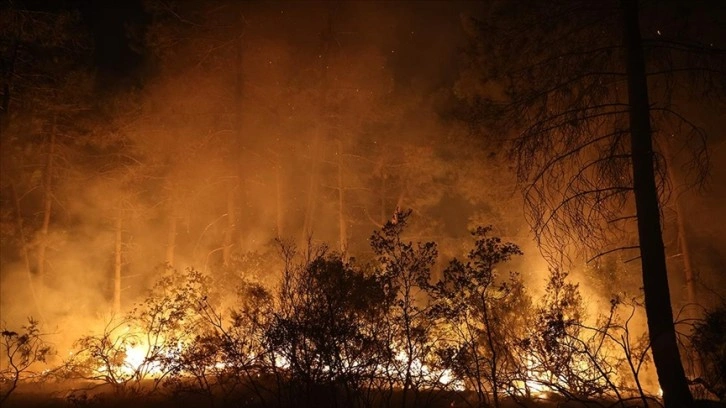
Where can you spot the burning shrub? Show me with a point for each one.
(148, 343)
(231, 353)
(579, 360)
(20, 351)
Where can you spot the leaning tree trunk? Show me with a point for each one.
(658, 309)
(691, 296)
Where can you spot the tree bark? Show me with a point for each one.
(658, 308)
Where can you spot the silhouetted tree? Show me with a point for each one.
(483, 314)
(405, 269)
(582, 83)
(325, 326)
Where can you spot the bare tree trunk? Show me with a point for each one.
(691, 291)
(685, 254)
(384, 213)
(310, 202)
(342, 221)
(7, 85)
(117, 264)
(234, 200)
(693, 365)
(231, 226)
(279, 211)
(171, 239)
(655, 275)
(691, 295)
(24, 246)
(47, 203)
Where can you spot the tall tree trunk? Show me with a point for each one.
(383, 212)
(693, 365)
(658, 309)
(231, 226)
(47, 203)
(342, 221)
(322, 126)
(691, 295)
(279, 211)
(171, 239)
(312, 196)
(24, 247)
(685, 254)
(7, 85)
(237, 195)
(117, 264)
(691, 292)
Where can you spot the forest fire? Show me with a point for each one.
(135, 354)
(362, 204)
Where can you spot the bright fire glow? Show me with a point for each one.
(138, 357)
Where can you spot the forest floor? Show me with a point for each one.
(84, 394)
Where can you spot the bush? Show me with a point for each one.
(709, 342)
(324, 330)
(20, 351)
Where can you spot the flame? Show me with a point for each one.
(138, 361)
(444, 376)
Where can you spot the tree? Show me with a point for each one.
(327, 324)
(583, 98)
(483, 312)
(405, 269)
(20, 352)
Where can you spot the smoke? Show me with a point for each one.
(256, 122)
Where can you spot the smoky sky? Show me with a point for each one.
(423, 40)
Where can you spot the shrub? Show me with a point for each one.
(20, 351)
(709, 342)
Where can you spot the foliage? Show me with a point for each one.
(482, 314)
(709, 342)
(324, 332)
(20, 352)
(405, 270)
(570, 356)
(152, 340)
(335, 332)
